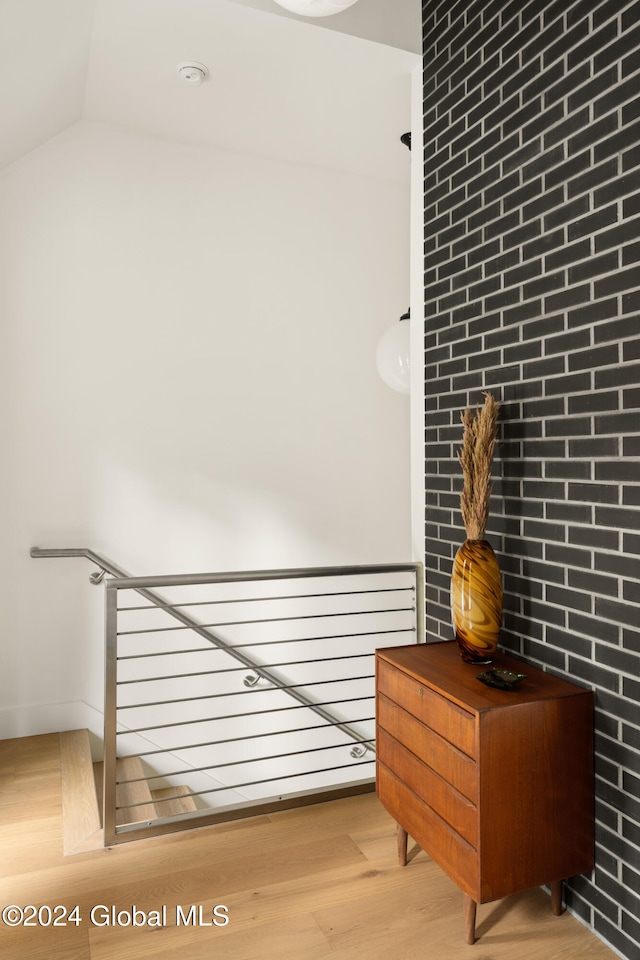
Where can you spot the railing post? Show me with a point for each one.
(420, 624)
(110, 711)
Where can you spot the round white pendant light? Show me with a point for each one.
(315, 8)
(393, 356)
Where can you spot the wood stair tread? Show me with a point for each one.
(136, 792)
(81, 784)
(172, 801)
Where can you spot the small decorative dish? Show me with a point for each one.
(501, 679)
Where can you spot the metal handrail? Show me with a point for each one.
(143, 586)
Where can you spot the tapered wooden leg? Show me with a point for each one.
(469, 919)
(556, 898)
(402, 846)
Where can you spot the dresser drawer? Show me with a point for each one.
(442, 715)
(451, 805)
(433, 834)
(451, 764)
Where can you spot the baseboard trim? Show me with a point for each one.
(30, 721)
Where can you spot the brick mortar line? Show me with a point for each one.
(524, 300)
(453, 154)
(522, 222)
(523, 62)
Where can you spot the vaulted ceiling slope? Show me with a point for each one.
(44, 57)
(332, 91)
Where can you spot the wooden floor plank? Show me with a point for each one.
(428, 911)
(404, 921)
(44, 943)
(314, 892)
(29, 845)
(146, 875)
(298, 937)
(43, 746)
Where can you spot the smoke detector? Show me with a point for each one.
(192, 73)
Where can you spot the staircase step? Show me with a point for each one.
(81, 782)
(172, 801)
(81, 824)
(130, 768)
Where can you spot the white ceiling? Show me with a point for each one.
(44, 55)
(334, 91)
(397, 23)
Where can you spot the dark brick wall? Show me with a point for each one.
(532, 277)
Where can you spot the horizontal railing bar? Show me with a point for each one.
(293, 596)
(266, 643)
(249, 623)
(242, 693)
(244, 576)
(237, 716)
(241, 576)
(257, 783)
(267, 666)
(251, 736)
(239, 763)
(61, 552)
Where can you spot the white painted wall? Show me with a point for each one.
(188, 383)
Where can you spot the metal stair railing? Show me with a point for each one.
(139, 585)
(260, 673)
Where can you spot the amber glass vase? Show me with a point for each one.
(476, 601)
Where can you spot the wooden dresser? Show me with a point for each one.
(495, 786)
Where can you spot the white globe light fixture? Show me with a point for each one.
(315, 8)
(393, 356)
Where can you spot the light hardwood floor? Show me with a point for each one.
(316, 883)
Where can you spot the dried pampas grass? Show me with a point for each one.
(476, 459)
